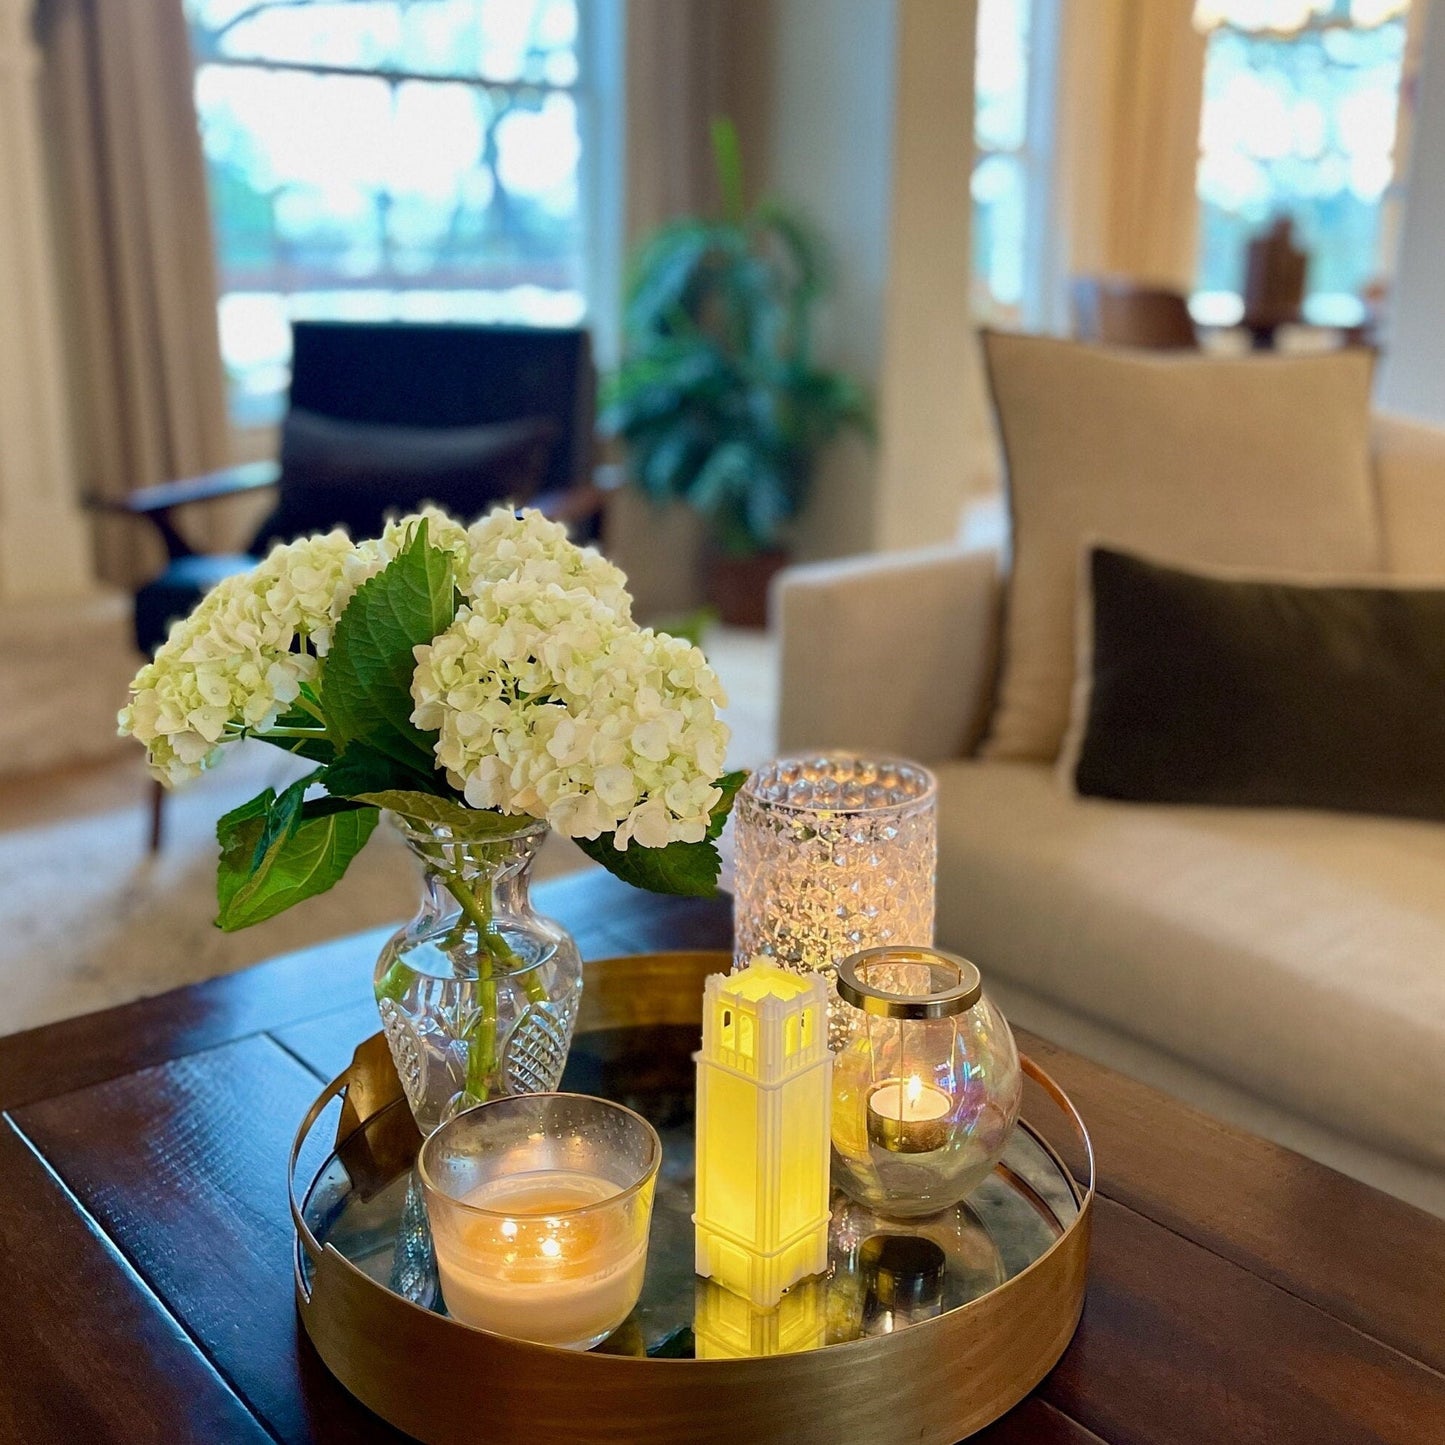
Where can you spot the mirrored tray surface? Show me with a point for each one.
(884, 1276)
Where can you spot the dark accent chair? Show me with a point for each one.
(413, 380)
(1113, 311)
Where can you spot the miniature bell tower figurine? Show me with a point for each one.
(764, 1089)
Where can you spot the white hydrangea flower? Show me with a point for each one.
(550, 703)
(529, 549)
(235, 662)
(547, 698)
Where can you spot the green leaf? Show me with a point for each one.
(429, 808)
(255, 883)
(730, 783)
(369, 670)
(282, 817)
(690, 626)
(688, 869)
(362, 769)
(728, 158)
(256, 807)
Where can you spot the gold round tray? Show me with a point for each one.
(852, 1358)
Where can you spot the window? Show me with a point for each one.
(1304, 126)
(376, 159)
(1013, 90)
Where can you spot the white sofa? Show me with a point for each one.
(1283, 970)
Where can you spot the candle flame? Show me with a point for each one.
(914, 1089)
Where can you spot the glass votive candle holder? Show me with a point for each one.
(540, 1206)
(926, 1085)
(835, 853)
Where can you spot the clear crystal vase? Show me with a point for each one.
(835, 853)
(478, 994)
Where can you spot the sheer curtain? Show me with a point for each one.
(135, 236)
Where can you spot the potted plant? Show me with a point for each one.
(718, 399)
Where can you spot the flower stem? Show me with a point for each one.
(494, 955)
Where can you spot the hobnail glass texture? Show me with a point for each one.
(471, 1013)
(834, 854)
(966, 1063)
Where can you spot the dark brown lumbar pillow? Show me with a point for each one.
(1218, 690)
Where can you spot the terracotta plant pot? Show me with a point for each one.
(738, 586)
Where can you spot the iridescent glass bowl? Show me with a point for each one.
(926, 1086)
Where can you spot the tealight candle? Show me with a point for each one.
(927, 1084)
(539, 1209)
(909, 1116)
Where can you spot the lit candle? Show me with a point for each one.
(546, 1261)
(909, 1117)
(763, 1101)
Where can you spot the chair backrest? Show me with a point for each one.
(1275, 271)
(1114, 311)
(424, 374)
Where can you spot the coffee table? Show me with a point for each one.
(1238, 1292)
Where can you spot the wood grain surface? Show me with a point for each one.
(1360, 1255)
(76, 1320)
(1238, 1292)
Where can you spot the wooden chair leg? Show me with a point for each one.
(158, 814)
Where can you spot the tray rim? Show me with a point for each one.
(1058, 1274)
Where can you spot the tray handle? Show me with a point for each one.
(366, 1086)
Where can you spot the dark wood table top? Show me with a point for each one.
(1238, 1292)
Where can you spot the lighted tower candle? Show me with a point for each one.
(763, 1104)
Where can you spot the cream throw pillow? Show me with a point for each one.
(1251, 462)
(1409, 463)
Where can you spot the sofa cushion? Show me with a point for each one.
(1300, 956)
(1227, 689)
(1257, 462)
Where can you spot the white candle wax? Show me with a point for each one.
(909, 1116)
(530, 1270)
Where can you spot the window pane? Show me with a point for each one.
(999, 218)
(1001, 75)
(387, 194)
(500, 40)
(1303, 127)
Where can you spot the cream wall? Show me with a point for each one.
(812, 89)
(937, 443)
(860, 115)
(1413, 375)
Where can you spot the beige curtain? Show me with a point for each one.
(135, 234)
(1131, 84)
(678, 69)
